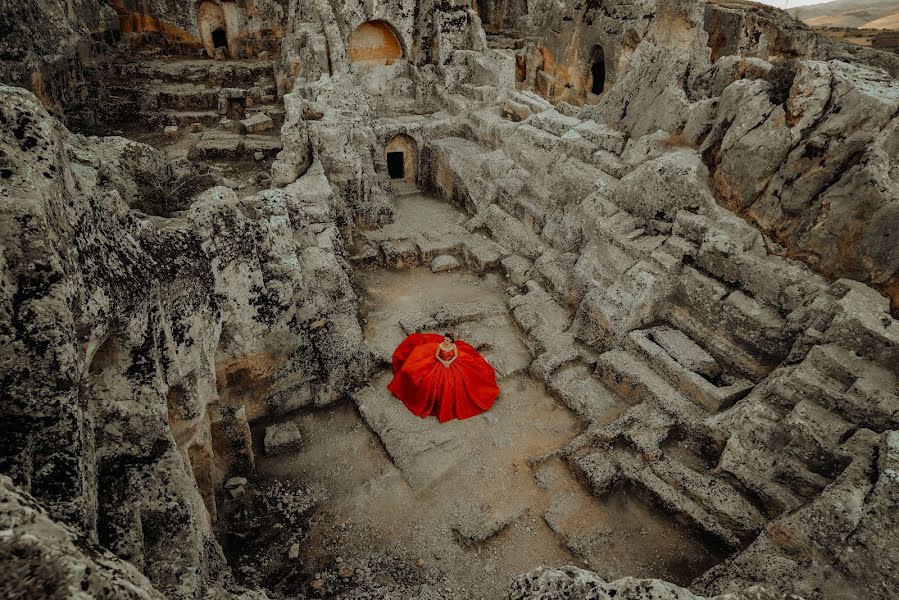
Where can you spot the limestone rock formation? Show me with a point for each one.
(577, 584)
(669, 225)
(778, 144)
(119, 326)
(42, 558)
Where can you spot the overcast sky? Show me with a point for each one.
(791, 3)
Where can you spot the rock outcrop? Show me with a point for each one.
(137, 348)
(692, 205)
(574, 583)
(44, 559)
(786, 147)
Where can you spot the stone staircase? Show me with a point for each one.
(688, 367)
(660, 440)
(231, 107)
(619, 528)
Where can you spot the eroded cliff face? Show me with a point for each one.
(240, 29)
(30, 536)
(137, 348)
(787, 148)
(55, 49)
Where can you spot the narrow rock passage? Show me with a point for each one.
(459, 500)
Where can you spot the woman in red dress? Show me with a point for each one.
(442, 376)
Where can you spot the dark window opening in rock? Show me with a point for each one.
(598, 71)
(220, 39)
(395, 167)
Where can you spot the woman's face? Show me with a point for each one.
(447, 339)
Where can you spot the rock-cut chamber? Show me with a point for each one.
(374, 42)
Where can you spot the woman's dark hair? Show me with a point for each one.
(450, 336)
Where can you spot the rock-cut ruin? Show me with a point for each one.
(672, 226)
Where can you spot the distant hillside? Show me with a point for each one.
(877, 14)
(888, 22)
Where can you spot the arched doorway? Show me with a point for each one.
(213, 23)
(374, 43)
(402, 158)
(597, 70)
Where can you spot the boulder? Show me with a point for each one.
(281, 438)
(444, 262)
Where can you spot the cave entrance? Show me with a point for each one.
(395, 167)
(597, 71)
(220, 39)
(402, 157)
(374, 43)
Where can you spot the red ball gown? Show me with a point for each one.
(464, 389)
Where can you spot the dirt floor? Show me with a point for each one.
(468, 503)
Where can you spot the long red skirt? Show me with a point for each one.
(464, 389)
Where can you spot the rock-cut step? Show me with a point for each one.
(185, 118)
(401, 187)
(583, 394)
(188, 96)
(206, 71)
(621, 533)
(422, 449)
(635, 381)
(688, 367)
(215, 145)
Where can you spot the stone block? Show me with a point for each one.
(368, 256)
(216, 145)
(604, 137)
(430, 249)
(444, 262)
(459, 312)
(399, 253)
(232, 93)
(268, 145)
(481, 256)
(685, 351)
(583, 394)
(815, 432)
(281, 438)
(517, 268)
(515, 111)
(258, 122)
(598, 471)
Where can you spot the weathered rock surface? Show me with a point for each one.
(114, 346)
(574, 583)
(787, 147)
(688, 200)
(43, 558)
(444, 262)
